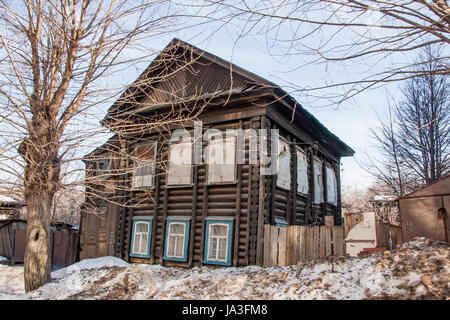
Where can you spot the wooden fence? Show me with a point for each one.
(288, 245)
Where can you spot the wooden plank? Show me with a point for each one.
(274, 245)
(338, 240)
(204, 215)
(328, 251)
(282, 244)
(322, 242)
(292, 245)
(302, 243)
(267, 246)
(315, 249)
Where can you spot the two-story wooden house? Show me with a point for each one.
(158, 197)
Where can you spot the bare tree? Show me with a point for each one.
(372, 38)
(414, 138)
(57, 64)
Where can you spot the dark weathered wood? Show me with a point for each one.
(193, 219)
(249, 201)
(155, 212)
(238, 208)
(260, 231)
(204, 215)
(294, 182)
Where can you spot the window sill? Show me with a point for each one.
(217, 263)
(174, 259)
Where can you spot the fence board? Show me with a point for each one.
(302, 243)
(266, 260)
(338, 240)
(273, 245)
(289, 245)
(328, 251)
(282, 244)
(322, 242)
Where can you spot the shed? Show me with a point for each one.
(63, 241)
(424, 212)
(143, 206)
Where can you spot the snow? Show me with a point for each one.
(3, 259)
(418, 270)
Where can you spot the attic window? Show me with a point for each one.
(331, 185)
(284, 165)
(104, 168)
(180, 164)
(221, 160)
(318, 181)
(145, 165)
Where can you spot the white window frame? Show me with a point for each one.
(169, 235)
(210, 237)
(143, 163)
(225, 180)
(302, 172)
(135, 233)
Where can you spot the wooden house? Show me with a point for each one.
(146, 208)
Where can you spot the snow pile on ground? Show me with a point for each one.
(418, 270)
(3, 259)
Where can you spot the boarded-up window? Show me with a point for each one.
(318, 181)
(221, 160)
(331, 185)
(145, 165)
(180, 164)
(302, 172)
(284, 165)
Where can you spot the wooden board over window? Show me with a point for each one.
(180, 164)
(318, 181)
(331, 185)
(284, 165)
(221, 160)
(302, 172)
(145, 165)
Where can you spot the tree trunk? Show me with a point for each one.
(38, 251)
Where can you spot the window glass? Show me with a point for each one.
(141, 236)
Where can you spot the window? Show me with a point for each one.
(180, 164)
(221, 160)
(218, 241)
(302, 172)
(318, 181)
(177, 236)
(104, 167)
(145, 165)
(284, 165)
(331, 185)
(141, 237)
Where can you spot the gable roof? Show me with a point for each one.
(183, 73)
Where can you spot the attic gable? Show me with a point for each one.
(182, 72)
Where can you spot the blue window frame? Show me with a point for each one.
(141, 237)
(176, 238)
(218, 240)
